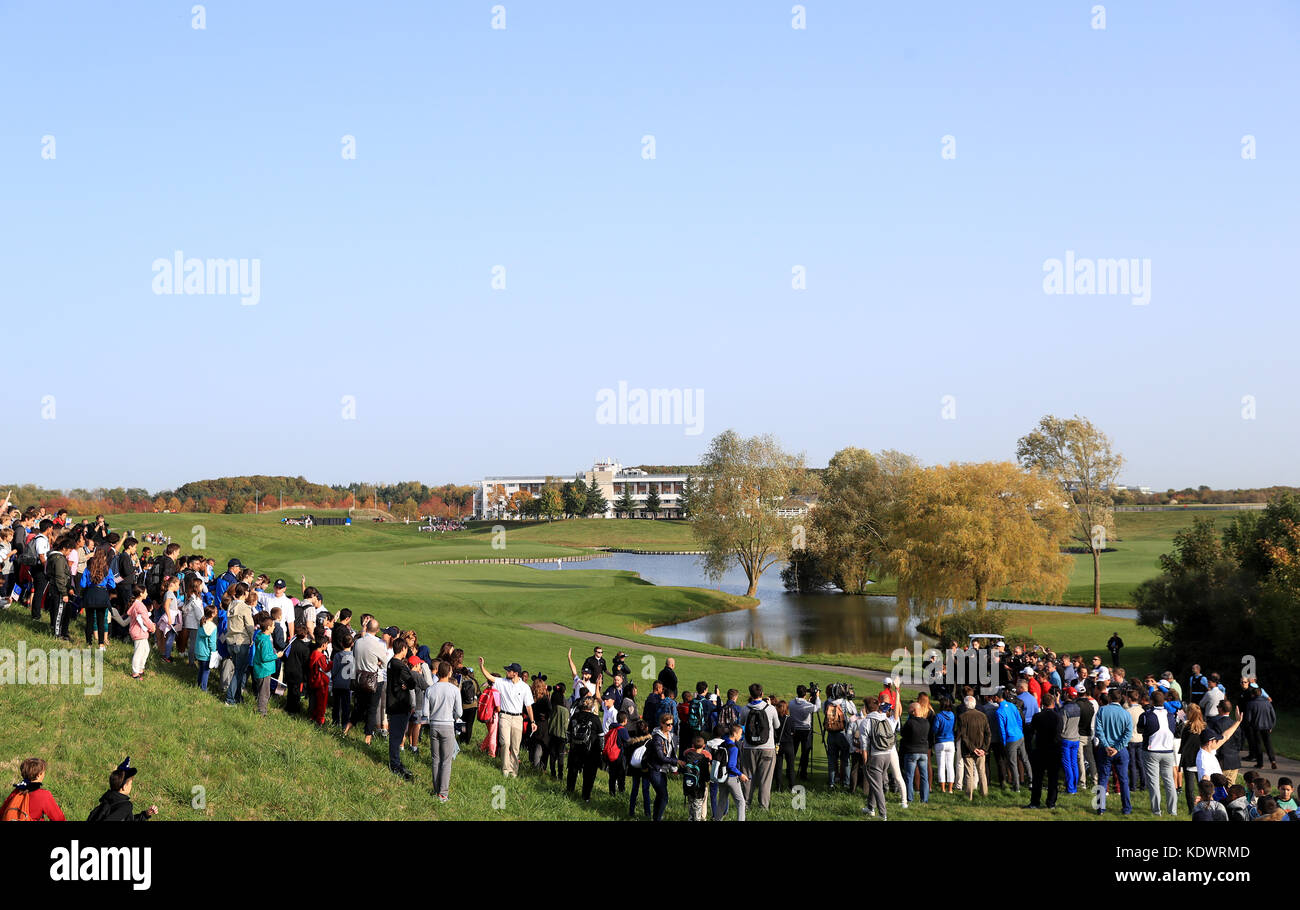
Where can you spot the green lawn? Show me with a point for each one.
(634, 534)
(277, 767)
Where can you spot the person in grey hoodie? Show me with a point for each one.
(797, 735)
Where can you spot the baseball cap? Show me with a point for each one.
(233, 563)
(1071, 691)
(392, 630)
(126, 768)
(1027, 671)
(889, 680)
(280, 583)
(1001, 644)
(515, 667)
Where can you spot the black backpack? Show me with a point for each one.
(695, 777)
(583, 727)
(757, 727)
(153, 580)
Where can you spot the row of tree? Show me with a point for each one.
(946, 533)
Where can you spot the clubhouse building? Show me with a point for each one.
(491, 499)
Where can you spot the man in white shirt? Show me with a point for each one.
(516, 703)
(278, 599)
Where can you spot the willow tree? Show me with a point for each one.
(741, 484)
(972, 530)
(1079, 458)
(860, 505)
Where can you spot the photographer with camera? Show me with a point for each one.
(797, 736)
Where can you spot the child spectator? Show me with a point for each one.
(115, 804)
(205, 644)
(695, 778)
(263, 661)
(318, 680)
(29, 801)
(141, 627)
(170, 620)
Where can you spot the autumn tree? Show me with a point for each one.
(1079, 458)
(551, 503)
(850, 531)
(971, 530)
(742, 483)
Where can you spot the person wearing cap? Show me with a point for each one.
(516, 703)
(620, 666)
(115, 804)
(227, 579)
(887, 696)
(1207, 761)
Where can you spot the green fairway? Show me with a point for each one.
(183, 738)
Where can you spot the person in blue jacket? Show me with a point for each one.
(945, 745)
(1012, 727)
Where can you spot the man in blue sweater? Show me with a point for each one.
(1114, 730)
(1012, 728)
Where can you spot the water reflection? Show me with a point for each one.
(784, 622)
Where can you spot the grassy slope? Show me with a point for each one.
(185, 738)
(278, 767)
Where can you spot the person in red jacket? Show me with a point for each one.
(318, 680)
(30, 801)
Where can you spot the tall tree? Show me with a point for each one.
(743, 481)
(575, 497)
(625, 503)
(851, 528)
(970, 530)
(596, 503)
(551, 503)
(652, 503)
(1080, 459)
(686, 500)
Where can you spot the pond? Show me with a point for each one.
(785, 622)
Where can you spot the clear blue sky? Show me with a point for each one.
(775, 147)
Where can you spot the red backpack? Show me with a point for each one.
(15, 807)
(487, 705)
(612, 749)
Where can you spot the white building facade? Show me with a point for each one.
(492, 498)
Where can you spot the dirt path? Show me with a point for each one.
(626, 644)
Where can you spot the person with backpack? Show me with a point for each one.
(615, 752)
(758, 720)
(163, 569)
(702, 712)
(115, 805)
(730, 779)
(695, 778)
(584, 746)
(839, 711)
(37, 556)
(127, 568)
(875, 736)
(30, 801)
(58, 586)
(557, 739)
